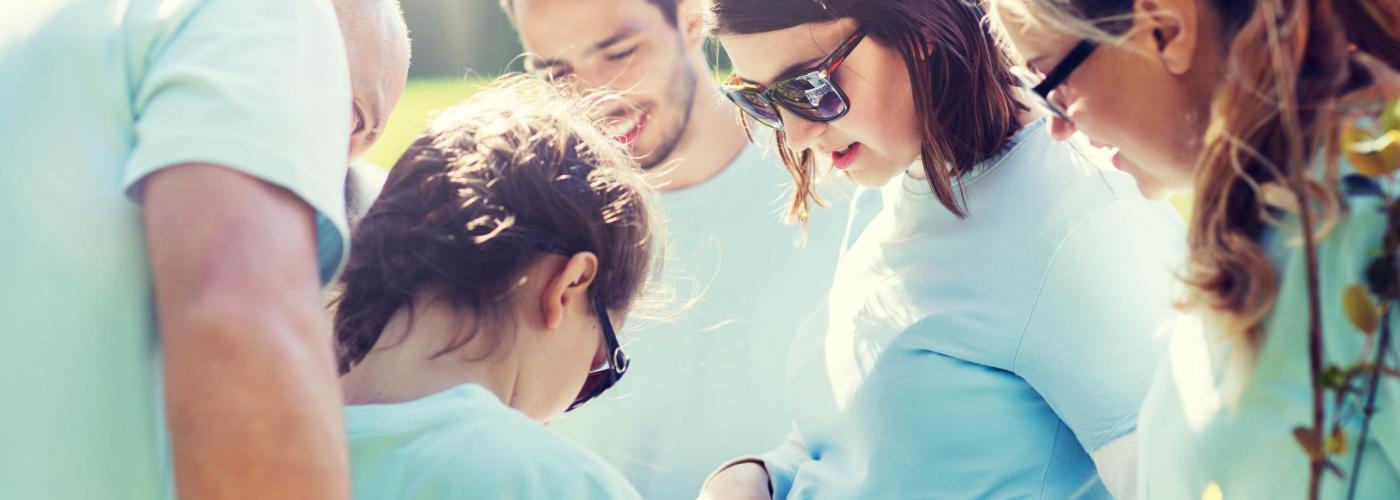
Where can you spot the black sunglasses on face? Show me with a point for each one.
(604, 375)
(812, 96)
(613, 364)
(1041, 86)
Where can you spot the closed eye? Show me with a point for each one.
(624, 54)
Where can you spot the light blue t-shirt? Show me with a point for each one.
(707, 385)
(464, 444)
(95, 95)
(1209, 420)
(984, 357)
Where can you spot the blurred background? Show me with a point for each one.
(457, 46)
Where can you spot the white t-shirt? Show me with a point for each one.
(985, 357)
(707, 386)
(464, 444)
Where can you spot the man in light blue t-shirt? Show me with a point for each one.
(708, 383)
(165, 165)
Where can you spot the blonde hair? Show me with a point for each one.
(1289, 66)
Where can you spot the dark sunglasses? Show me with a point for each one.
(1041, 86)
(604, 374)
(609, 369)
(812, 96)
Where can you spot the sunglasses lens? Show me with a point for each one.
(812, 97)
(595, 384)
(758, 107)
(600, 379)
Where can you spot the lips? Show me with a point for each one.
(627, 129)
(841, 159)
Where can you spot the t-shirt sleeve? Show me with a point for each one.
(1093, 338)
(784, 461)
(257, 86)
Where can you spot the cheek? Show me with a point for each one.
(882, 112)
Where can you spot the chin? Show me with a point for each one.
(1150, 187)
(1152, 190)
(871, 177)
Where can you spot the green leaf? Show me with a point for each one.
(1337, 442)
(1390, 118)
(1332, 377)
(1361, 308)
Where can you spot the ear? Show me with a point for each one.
(1175, 29)
(691, 22)
(357, 116)
(569, 284)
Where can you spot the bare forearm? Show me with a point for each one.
(252, 402)
(252, 409)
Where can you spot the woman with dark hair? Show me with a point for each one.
(990, 330)
(1266, 109)
(482, 297)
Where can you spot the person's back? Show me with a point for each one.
(464, 443)
(507, 241)
(99, 99)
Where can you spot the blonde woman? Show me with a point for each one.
(1247, 102)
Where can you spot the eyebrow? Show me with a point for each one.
(617, 37)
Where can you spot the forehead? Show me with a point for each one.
(552, 28)
(764, 57)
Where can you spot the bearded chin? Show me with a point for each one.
(680, 96)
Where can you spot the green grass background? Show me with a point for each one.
(425, 96)
(417, 106)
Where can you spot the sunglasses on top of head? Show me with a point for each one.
(612, 363)
(1040, 86)
(812, 95)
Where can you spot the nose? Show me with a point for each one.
(800, 134)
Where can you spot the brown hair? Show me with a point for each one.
(516, 170)
(1289, 66)
(964, 94)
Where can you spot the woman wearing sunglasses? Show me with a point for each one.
(1252, 103)
(482, 297)
(990, 329)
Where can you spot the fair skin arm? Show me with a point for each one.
(250, 390)
(741, 481)
(1117, 465)
(743, 478)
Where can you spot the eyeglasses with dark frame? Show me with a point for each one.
(615, 362)
(812, 95)
(1041, 86)
(603, 377)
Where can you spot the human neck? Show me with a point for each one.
(713, 138)
(405, 364)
